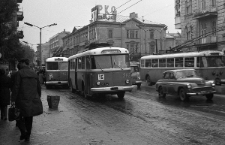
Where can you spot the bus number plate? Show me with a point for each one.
(101, 77)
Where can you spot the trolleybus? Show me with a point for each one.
(56, 71)
(208, 64)
(100, 71)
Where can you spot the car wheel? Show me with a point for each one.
(121, 95)
(218, 82)
(182, 94)
(161, 93)
(139, 86)
(209, 96)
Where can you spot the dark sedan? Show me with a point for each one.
(184, 83)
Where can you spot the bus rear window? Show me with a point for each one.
(52, 65)
(63, 65)
(148, 63)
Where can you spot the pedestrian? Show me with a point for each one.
(44, 76)
(13, 79)
(5, 89)
(26, 97)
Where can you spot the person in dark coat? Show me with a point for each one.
(5, 88)
(26, 96)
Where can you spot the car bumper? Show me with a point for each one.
(57, 83)
(201, 93)
(111, 89)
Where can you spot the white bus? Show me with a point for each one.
(209, 64)
(100, 71)
(56, 72)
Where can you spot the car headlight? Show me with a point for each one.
(127, 81)
(213, 85)
(189, 86)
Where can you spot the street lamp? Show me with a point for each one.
(40, 35)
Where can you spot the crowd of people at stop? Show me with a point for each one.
(22, 90)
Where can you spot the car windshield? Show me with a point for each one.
(185, 74)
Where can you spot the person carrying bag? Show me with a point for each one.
(26, 96)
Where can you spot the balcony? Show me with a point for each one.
(20, 16)
(19, 1)
(207, 12)
(208, 39)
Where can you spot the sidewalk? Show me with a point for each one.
(53, 127)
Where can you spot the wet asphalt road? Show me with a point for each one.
(140, 119)
(143, 118)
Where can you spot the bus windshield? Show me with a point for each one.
(110, 61)
(57, 65)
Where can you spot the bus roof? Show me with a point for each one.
(184, 54)
(56, 59)
(98, 51)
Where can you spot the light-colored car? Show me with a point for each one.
(135, 75)
(184, 83)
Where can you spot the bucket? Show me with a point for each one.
(53, 101)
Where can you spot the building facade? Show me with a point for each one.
(202, 24)
(56, 42)
(141, 37)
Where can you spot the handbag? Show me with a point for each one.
(13, 113)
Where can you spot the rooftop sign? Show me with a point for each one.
(103, 13)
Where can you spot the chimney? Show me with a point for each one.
(133, 15)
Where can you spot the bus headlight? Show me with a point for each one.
(127, 81)
(98, 83)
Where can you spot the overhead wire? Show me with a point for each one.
(129, 6)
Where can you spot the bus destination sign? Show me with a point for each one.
(58, 59)
(110, 51)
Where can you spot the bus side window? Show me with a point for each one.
(155, 63)
(170, 62)
(179, 62)
(162, 62)
(142, 63)
(83, 63)
(189, 62)
(148, 63)
(88, 62)
(93, 65)
(79, 63)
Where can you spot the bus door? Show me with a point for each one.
(76, 84)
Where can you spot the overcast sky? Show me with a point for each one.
(72, 13)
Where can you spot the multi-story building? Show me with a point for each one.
(45, 52)
(56, 42)
(141, 37)
(202, 24)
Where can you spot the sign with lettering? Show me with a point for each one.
(103, 13)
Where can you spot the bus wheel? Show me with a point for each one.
(121, 95)
(148, 80)
(209, 97)
(84, 94)
(161, 93)
(183, 96)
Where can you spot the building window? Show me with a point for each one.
(110, 33)
(214, 28)
(188, 7)
(203, 4)
(133, 47)
(213, 3)
(203, 29)
(132, 34)
(151, 34)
